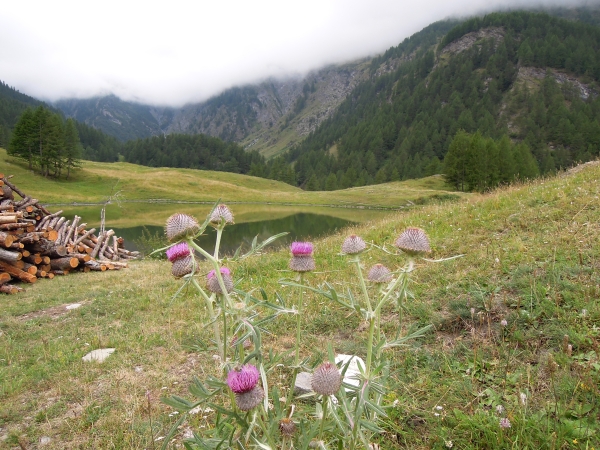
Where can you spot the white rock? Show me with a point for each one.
(73, 306)
(45, 440)
(99, 354)
(352, 375)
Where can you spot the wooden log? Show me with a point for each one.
(25, 253)
(85, 236)
(8, 219)
(6, 239)
(109, 233)
(47, 219)
(115, 248)
(99, 243)
(115, 264)
(17, 226)
(32, 237)
(5, 277)
(30, 268)
(17, 273)
(41, 273)
(95, 265)
(34, 259)
(71, 230)
(65, 263)
(62, 231)
(10, 289)
(18, 214)
(48, 248)
(82, 257)
(9, 256)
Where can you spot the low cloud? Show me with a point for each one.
(188, 51)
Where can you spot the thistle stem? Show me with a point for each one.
(299, 321)
(213, 319)
(363, 286)
(325, 403)
(216, 266)
(218, 242)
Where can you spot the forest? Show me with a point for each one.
(401, 124)
(519, 88)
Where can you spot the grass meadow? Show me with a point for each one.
(531, 258)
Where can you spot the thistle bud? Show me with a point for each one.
(219, 213)
(287, 427)
(413, 241)
(353, 244)
(180, 226)
(326, 379)
(379, 274)
(212, 282)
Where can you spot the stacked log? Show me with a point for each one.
(35, 243)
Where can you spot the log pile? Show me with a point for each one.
(35, 243)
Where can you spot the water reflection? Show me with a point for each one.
(302, 222)
(301, 226)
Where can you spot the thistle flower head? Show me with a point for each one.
(219, 213)
(182, 266)
(301, 248)
(353, 245)
(243, 379)
(326, 379)
(302, 260)
(504, 423)
(180, 226)
(178, 251)
(413, 241)
(250, 399)
(379, 274)
(287, 427)
(504, 323)
(212, 282)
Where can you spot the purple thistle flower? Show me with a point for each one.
(413, 241)
(504, 423)
(178, 251)
(243, 379)
(301, 248)
(212, 282)
(326, 379)
(250, 399)
(379, 274)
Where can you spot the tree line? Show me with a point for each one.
(48, 144)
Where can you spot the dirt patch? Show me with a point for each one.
(54, 312)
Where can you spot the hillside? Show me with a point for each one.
(96, 181)
(530, 257)
(528, 76)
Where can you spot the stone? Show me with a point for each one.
(44, 440)
(98, 355)
(302, 386)
(352, 375)
(73, 306)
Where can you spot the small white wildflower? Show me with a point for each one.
(195, 410)
(500, 410)
(503, 322)
(523, 398)
(174, 413)
(439, 408)
(436, 414)
(584, 312)
(449, 444)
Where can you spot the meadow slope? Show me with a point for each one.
(530, 257)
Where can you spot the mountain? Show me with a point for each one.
(530, 77)
(269, 116)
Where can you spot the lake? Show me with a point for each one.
(128, 220)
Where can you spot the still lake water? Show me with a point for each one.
(302, 223)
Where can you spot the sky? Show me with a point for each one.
(175, 52)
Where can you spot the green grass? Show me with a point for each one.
(531, 257)
(97, 181)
